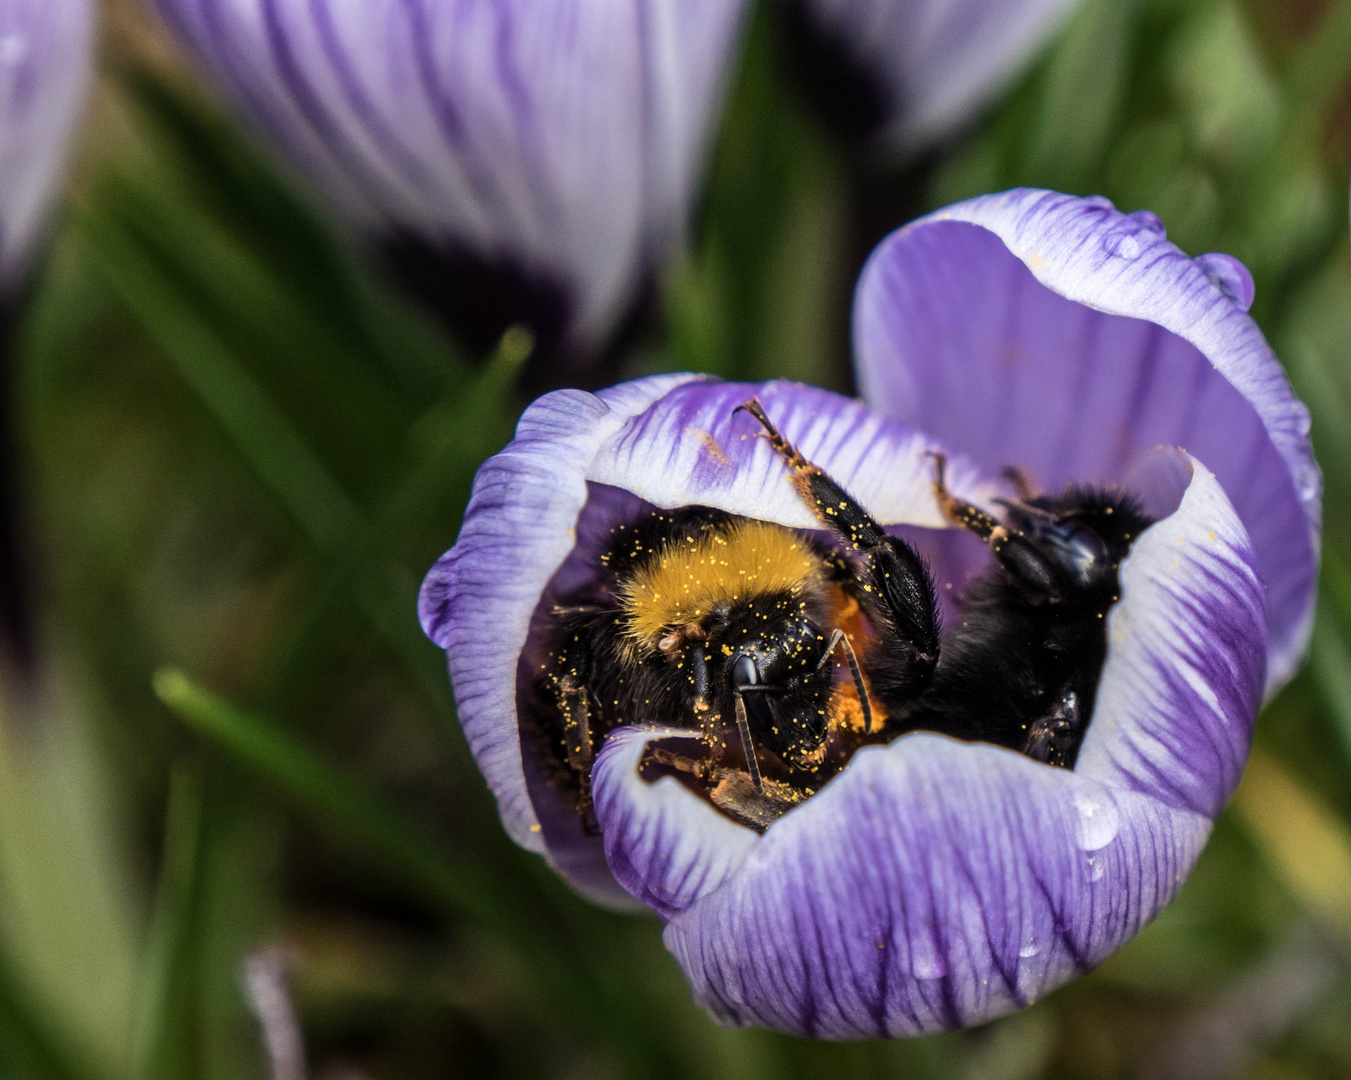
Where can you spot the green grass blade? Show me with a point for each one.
(292, 471)
(332, 798)
(454, 437)
(1330, 666)
(578, 976)
(166, 998)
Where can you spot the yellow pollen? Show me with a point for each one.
(687, 579)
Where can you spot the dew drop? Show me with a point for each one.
(1099, 820)
(1096, 868)
(1229, 275)
(1148, 221)
(1127, 247)
(1030, 948)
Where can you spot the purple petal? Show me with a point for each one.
(665, 847)
(1186, 659)
(564, 136)
(939, 61)
(579, 459)
(45, 66)
(932, 886)
(936, 884)
(1057, 334)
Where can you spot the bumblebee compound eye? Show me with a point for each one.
(745, 672)
(1076, 547)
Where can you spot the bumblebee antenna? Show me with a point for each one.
(743, 726)
(840, 638)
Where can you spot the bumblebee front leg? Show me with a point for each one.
(1053, 738)
(710, 722)
(1022, 559)
(890, 580)
(571, 686)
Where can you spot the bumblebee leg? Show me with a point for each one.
(710, 722)
(744, 728)
(840, 640)
(1053, 738)
(1022, 483)
(574, 703)
(1022, 559)
(892, 583)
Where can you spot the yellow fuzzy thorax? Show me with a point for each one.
(688, 578)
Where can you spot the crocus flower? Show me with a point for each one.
(906, 72)
(932, 883)
(535, 157)
(45, 62)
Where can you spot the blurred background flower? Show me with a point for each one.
(246, 448)
(510, 161)
(901, 74)
(45, 67)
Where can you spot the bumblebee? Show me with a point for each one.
(721, 624)
(1022, 668)
(731, 627)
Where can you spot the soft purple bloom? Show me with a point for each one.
(933, 883)
(929, 64)
(557, 143)
(45, 63)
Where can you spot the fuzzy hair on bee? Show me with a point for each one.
(1021, 669)
(783, 652)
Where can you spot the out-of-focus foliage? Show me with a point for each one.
(246, 450)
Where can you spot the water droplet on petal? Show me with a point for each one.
(1099, 202)
(1030, 948)
(1099, 820)
(1230, 275)
(1126, 247)
(1149, 222)
(1096, 867)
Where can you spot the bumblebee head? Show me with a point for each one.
(785, 682)
(1085, 533)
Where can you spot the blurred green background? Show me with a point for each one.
(245, 451)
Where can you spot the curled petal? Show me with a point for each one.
(562, 138)
(45, 65)
(1185, 661)
(935, 884)
(579, 461)
(1062, 336)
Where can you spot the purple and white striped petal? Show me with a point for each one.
(1062, 336)
(935, 62)
(561, 137)
(45, 66)
(541, 508)
(935, 884)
